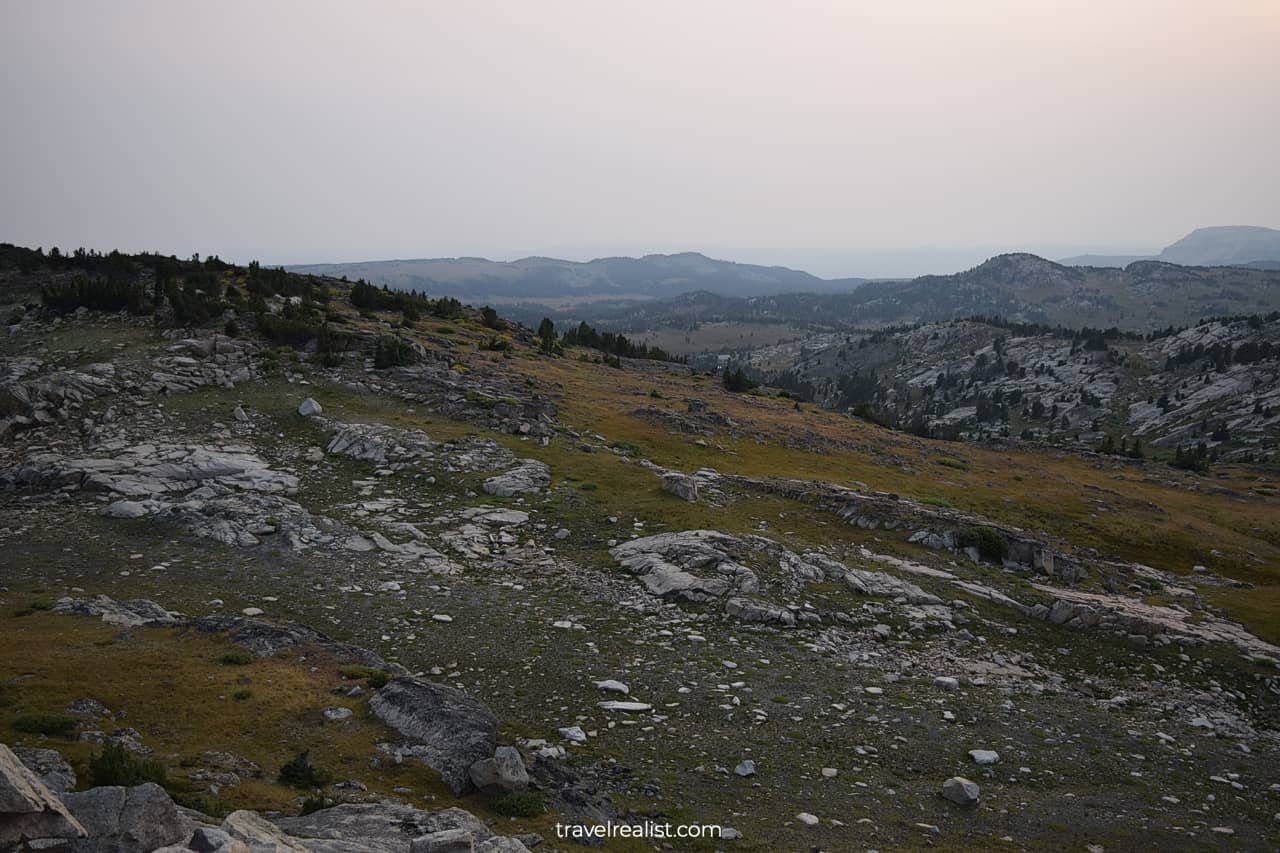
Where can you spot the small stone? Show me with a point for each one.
(829, 773)
(984, 756)
(946, 682)
(745, 768)
(442, 617)
(610, 685)
(573, 734)
(807, 819)
(309, 408)
(336, 714)
(614, 705)
(252, 611)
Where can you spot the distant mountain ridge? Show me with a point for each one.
(1025, 288)
(1221, 245)
(647, 277)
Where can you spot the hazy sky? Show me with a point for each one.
(830, 136)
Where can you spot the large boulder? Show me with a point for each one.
(529, 476)
(681, 485)
(127, 820)
(28, 809)
(448, 729)
(501, 774)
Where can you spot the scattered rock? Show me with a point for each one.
(961, 791)
(984, 756)
(309, 408)
(503, 773)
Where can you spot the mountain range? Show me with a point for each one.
(1224, 245)
(1143, 296)
(647, 277)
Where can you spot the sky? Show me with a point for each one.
(845, 138)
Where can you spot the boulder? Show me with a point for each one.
(127, 820)
(209, 839)
(984, 756)
(501, 774)
(448, 729)
(28, 809)
(528, 476)
(309, 408)
(681, 485)
(961, 791)
(49, 766)
(259, 834)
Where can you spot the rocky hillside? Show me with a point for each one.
(283, 571)
(1210, 390)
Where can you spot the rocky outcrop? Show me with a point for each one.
(125, 614)
(379, 444)
(28, 809)
(529, 476)
(32, 397)
(377, 827)
(1135, 618)
(445, 728)
(147, 470)
(265, 639)
(706, 565)
(127, 820)
(692, 565)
